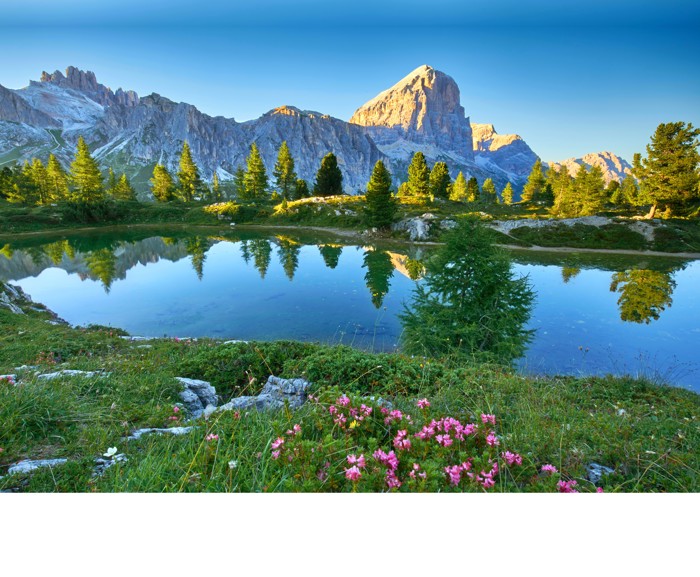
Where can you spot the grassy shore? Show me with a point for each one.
(647, 433)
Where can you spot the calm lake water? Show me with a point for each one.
(593, 314)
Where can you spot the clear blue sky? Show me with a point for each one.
(568, 79)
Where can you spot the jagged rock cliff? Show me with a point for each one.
(613, 167)
(507, 152)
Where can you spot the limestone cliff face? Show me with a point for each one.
(509, 152)
(613, 167)
(422, 109)
(15, 109)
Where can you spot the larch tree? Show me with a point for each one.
(473, 192)
(507, 194)
(57, 179)
(190, 183)
(380, 208)
(162, 184)
(458, 193)
(284, 173)
(123, 189)
(329, 179)
(668, 175)
(255, 178)
(85, 176)
(440, 181)
(534, 187)
(418, 183)
(488, 192)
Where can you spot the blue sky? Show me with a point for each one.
(568, 79)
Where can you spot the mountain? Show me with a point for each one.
(613, 167)
(506, 152)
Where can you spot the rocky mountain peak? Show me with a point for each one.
(85, 81)
(422, 108)
(613, 166)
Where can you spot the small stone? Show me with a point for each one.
(177, 431)
(73, 373)
(27, 466)
(596, 471)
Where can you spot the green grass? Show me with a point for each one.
(611, 236)
(569, 422)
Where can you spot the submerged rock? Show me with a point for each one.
(275, 394)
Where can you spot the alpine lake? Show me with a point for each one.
(593, 313)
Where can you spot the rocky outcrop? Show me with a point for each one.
(508, 152)
(13, 108)
(86, 82)
(276, 394)
(613, 167)
(424, 109)
(197, 396)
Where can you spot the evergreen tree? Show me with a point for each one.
(162, 184)
(469, 301)
(123, 189)
(534, 187)
(102, 264)
(196, 247)
(569, 201)
(627, 193)
(57, 179)
(380, 208)
(418, 183)
(473, 194)
(288, 252)
(669, 174)
(329, 179)
(85, 176)
(190, 183)
(239, 183)
(40, 178)
(380, 269)
(590, 188)
(23, 189)
(488, 192)
(507, 194)
(284, 173)
(562, 188)
(111, 181)
(216, 194)
(644, 294)
(255, 179)
(459, 189)
(611, 189)
(301, 189)
(7, 181)
(440, 181)
(261, 249)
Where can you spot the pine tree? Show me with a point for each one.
(111, 181)
(190, 184)
(534, 187)
(329, 179)
(239, 183)
(301, 189)
(569, 200)
(123, 189)
(488, 192)
(57, 179)
(255, 179)
(284, 173)
(592, 192)
(507, 194)
(85, 176)
(418, 183)
(40, 178)
(440, 181)
(473, 194)
(459, 189)
(669, 174)
(162, 184)
(380, 206)
(216, 195)
(22, 189)
(627, 193)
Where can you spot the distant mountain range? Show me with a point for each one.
(131, 133)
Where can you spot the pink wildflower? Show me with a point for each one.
(365, 410)
(423, 403)
(469, 429)
(392, 481)
(353, 474)
(444, 440)
(343, 401)
(466, 466)
(236, 415)
(275, 454)
(512, 458)
(173, 418)
(401, 442)
(455, 474)
(388, 459)
(492, 440)
(486, 419)
(176, 409)
(487, 481)
(598, 490)
(332, 410)
(425, 433)
(276, 444)
(384, 410)
(295, 430)
(354, 412)
(359, 461)
(394, 415)
(551, 469)
(340, 420)
(567, 486)
(211, 437)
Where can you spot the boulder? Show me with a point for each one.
(197, 395)
(275, 394)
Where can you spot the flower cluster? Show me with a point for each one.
(9, 379)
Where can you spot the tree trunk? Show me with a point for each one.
(652, 212)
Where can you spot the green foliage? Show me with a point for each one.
(284, 173)
(162, 184)
(329, 179)
(610, 236)
(488, 192)
(625, 194)
(458, 192)
(507, 194)
(190, 183)
(380, 208)
(418, 183)
(440, 181)
(85, 176)
(57, 180)
(469, 302)
(123, 189)
(255, 179)
(644, 294)
(668, 175)
(330, 254)
(534, 187)
(473, 192)
(301, 189)
(380, 269)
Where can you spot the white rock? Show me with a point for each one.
(27, 466)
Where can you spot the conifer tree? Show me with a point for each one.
(668, 175)
(40, 178)
(329, 179)
(123, 189)
(255, 179)
(473, 194)
(284, 173)
(534, 187)
(380, 205)
(418, 183)
(380, 269)
(22, 189)
(190, 183)
(239, 183)
(627, 194)
(162, 184)
(591, 191)
(331, 254)
(57, 179)
(459, 189)
(507, 194)
(301, 189)
(111, 181)
(488, 192)
(288, 252)
(261, 249)
(85, 176)
(440, 181)
(216, 195)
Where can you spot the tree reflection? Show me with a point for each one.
(379, 270)
(196, 247)
(245, 251)
(261, 250)
(331, 254)
(288, 251)
(644, 294)
(569, 272)
(102, 264)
